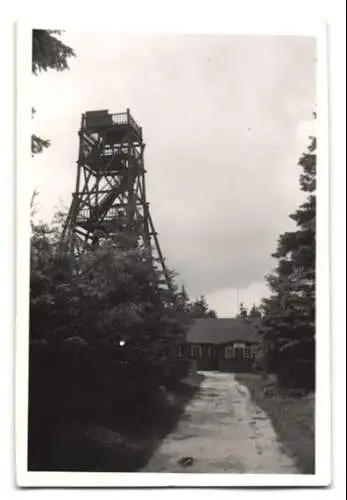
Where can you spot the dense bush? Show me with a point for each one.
(103, 334)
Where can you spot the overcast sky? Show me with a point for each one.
(224, 118)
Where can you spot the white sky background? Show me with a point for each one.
(225, 119)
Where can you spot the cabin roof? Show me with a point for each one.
(221, 331)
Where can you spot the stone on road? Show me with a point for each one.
(222, 430)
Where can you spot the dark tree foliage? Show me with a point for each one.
(48, 52)
(251, 315)
(184, 295)
(103, 334)
(254, 312)
(243, 313)
(38, 144)
(194, 309)
(288, 325)
(200, 309)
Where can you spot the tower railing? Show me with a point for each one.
(105, 119)
(126, 119)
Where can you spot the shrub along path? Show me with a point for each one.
(118, 443)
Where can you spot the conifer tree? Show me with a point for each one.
(243, 311)
(200, 309)
(289, 314)
(48, 52)
(254, 312)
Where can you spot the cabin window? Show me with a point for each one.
(179, 351)
(239, 350)
(247, 352)
(211, 351)
(239, 345)
(229, 352)
(196, 351)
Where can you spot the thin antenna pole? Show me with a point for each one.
(237, 300)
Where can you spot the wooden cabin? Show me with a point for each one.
(225, 344)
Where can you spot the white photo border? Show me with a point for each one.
(322, 476)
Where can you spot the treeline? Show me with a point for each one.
(249, 314)
(197, 308)
(288, 326)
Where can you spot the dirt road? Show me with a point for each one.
(222, 430)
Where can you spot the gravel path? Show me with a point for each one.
(222, 430)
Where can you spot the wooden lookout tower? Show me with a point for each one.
(110, 194)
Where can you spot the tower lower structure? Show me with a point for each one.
(110, 194)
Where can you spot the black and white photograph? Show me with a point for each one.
(171, 324)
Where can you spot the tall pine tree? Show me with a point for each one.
(288, 325)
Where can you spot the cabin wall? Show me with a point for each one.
(205, 356)
(229, 357)
(205, 364)
(235, 366)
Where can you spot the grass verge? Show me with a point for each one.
(292, 416)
